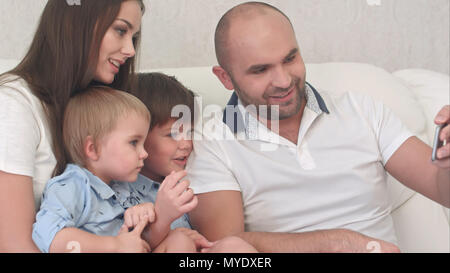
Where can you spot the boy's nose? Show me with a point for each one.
(185, 144)
(144, 154)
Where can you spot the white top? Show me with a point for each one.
(333, 178)
(25, 139)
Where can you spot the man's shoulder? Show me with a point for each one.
(350, 101)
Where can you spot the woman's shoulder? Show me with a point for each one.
(11, 81)
(15, 88)
(16, 97)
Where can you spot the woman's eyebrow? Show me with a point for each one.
(126, 22)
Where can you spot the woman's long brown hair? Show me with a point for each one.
(63, 56)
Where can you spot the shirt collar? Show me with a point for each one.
(100, 187)
(234, 112)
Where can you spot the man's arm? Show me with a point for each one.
(411, 165)
(220, 214)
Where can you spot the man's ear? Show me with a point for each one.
(90, 150)
(224, 77)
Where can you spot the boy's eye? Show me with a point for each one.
(134, 143)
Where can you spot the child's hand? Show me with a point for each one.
(174, 199)
(200, 241)
(131, 241)
(134, 215)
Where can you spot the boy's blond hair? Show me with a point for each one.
(95, 113)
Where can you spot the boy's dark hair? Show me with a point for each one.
(161, 93)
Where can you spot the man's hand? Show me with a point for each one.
(200, 241)
(443, 154)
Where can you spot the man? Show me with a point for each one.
(323, 189)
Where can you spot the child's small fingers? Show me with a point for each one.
(151, 216)
(128, 220)
(190, 205)
(186, 196)
(172, 179)
(166, 181)
(123, 229)
(136, 219)
(181, 187)
(140, 227)
(146, 217)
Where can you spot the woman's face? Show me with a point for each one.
(117, 44)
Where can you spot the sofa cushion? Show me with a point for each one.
(371, 80)
(202, 82)
(431, 90)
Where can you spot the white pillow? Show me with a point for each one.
(371, 80)
(432, 90)
(201, 81)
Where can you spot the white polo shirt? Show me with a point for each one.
(333, 178)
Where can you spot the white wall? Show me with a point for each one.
(395, 34)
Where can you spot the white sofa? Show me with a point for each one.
(414, 95)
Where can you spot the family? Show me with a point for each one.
(89, 154)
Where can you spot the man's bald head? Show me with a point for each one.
(245, 11)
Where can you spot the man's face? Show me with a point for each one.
(265, 64)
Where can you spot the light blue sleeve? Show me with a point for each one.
(65, 203)
(181, 222)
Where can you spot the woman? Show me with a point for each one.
(74, 46)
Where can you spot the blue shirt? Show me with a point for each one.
(131, 194)
(79, 199)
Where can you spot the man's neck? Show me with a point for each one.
(288, 128)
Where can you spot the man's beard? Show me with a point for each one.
(275, 112)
